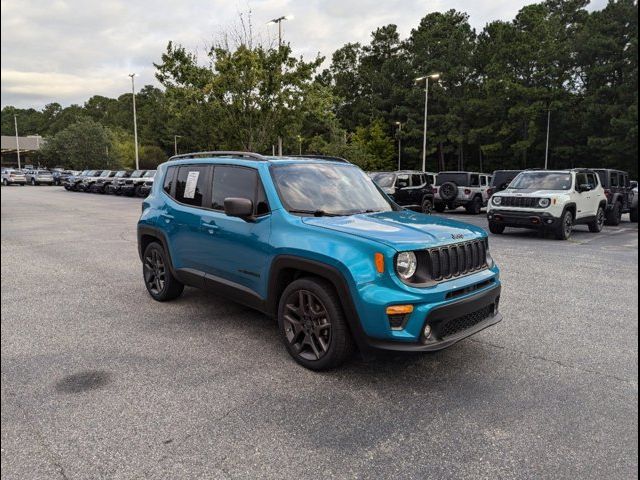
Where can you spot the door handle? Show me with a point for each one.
(209, 227)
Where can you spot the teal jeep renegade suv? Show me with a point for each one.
(314, 243)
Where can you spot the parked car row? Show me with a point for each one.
(117, 182)
(540, 199)
(12, 176)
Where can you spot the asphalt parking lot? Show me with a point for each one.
(100, 381)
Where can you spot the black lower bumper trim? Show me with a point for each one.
(524, 219)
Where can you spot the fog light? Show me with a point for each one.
(426, 332)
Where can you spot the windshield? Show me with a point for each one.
(121, 173)
(457, 178)
(105, 173)
(383, 179)
(137, 173)
(542, 181)
(150, 173)
(327, 189)
(91, 173)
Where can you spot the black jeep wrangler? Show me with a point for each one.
(501, 180)
(617, 188)
(408, 188)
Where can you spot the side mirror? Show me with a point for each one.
(585, 187)
(238, 207)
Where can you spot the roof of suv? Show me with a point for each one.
(465, 173)
(256, 157)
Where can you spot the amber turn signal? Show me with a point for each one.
(379, 261)
(399, 309)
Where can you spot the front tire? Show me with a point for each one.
(312, 324)
(156, 271)
(496, 228)
(598, 223)
(614, 215)
(475, 206)
(427, 206)
(565, 227)
(5, 182)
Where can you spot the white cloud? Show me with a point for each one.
(68, 50)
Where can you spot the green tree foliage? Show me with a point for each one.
(84, 144)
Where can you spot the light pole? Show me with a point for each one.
(175, 144)
(15, 122)
(426, 78)
(300, 145)
(279, 22)
(546, 150)
(399, 124)
(135, 122)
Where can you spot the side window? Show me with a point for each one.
(240, 182)
(402, 181)
(416, 180)
(626, 183)
(614, 179)
(621, 181)
(483, 181)
(591, 179)
(581, 179)
(431, 179)
(168, 180)
(190, 184)
(474, 181)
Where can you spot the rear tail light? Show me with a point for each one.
(434, 190)
(608, 194)
(467, 191)
(490, 192)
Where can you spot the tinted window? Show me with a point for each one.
(402, 181)
(483, 181)
(416, 180)
(168, 180)
(232, 182)
(190, 184)
(457, 178)
(614, 179)
(474, 181)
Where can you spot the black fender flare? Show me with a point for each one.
(323, 270)
(568, 206)
(159, 235)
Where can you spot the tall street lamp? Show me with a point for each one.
(433, 76)
(135, 122)
(15, 122)
(399, 124)
(546, 150)
(279, 21)
(175, 143)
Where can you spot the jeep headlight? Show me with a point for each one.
(496, 200)
(544, 202)
(406, 264)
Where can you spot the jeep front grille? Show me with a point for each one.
(520, 202)
(458, 259)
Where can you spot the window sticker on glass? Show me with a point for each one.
(190, 187)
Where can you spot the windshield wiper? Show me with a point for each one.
(316, 213)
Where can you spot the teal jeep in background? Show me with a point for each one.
(316, 244)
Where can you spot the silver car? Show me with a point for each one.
(11, 176)
(39, 177)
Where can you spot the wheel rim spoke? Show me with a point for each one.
(306, 324)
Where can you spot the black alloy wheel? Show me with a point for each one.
(160, 282)
(598, 223)
(307, 326)
(312, 324)
(565, 227)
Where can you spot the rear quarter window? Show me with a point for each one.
(190, 184)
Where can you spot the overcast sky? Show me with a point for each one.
(69, 50)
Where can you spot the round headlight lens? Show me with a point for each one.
(406, 265)
(544, 202)
(496, 200)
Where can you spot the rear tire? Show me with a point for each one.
(475, 207)
(565, 227)
(5, 182)
(312, 324)
(598, 223)
(496, 228)
(427, 206)
(614, 215)
(156, 271)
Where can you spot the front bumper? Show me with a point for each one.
(450, 322)
(522, 218)
(128, 189)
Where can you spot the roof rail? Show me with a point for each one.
(322, 157)
(220, 153)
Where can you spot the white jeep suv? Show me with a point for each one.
(550, 200)
(468, 189)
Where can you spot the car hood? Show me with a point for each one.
(403, 230)
(531, 192)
